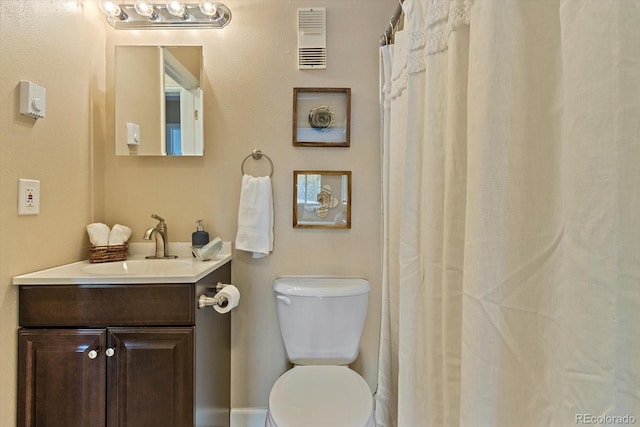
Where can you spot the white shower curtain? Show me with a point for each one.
(511, 140)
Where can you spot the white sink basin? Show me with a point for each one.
(141, 267)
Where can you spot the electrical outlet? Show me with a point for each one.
(29, 194)
(28, 197)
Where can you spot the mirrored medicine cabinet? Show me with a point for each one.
(158, 101)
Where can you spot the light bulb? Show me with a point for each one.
(208, 8)
(176, 9)
(145, 9)
(112, 9)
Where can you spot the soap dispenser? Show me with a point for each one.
(199, 238)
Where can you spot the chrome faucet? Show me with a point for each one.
(159, 233)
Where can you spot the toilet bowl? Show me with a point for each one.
(320, 396)
(321, 321)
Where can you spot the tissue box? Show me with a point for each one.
(208, 251)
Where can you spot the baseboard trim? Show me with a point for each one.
(248, 417)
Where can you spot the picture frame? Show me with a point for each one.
(321, 117)
(321, 199)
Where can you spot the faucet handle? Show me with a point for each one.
(159, 218)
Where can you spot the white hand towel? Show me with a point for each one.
(119, 234)
(98, 234)
(255, 216)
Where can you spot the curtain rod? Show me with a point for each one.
(387, 36)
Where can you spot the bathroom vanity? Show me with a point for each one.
(124, 349)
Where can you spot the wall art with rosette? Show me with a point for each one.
(321, 117)
(322, 199)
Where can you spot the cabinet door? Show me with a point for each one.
(61, 378)
(150, 377)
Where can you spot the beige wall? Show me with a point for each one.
(139, 94)
(59, 45)
(250, 71)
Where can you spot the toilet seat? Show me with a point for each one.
(320, 396)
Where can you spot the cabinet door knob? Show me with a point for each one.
(92, 354)
(110, 352)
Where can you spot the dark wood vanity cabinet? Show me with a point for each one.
(148, 383)
(58, 385)
(118, 355)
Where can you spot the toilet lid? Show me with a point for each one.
(320, 396)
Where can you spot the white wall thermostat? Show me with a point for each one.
(33, 100)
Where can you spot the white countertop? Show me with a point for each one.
(84, 273)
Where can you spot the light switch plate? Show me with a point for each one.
(28, 197)
(133, 134)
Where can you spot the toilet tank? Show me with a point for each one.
(321, 318)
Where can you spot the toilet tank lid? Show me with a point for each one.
(317, 286)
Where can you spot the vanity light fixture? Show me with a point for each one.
(146, 9)
(138, 15)
(208, 8)
(112, 10)
(177, 9)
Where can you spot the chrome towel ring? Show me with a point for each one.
(257, 155)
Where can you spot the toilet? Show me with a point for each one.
(321, 321)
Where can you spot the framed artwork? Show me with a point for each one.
(321, 117)
(321, 199)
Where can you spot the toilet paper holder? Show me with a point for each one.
(207, 301)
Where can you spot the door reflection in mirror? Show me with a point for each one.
(160, 88)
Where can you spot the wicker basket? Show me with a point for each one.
(108, 253)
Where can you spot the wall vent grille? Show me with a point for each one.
(312, 38)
